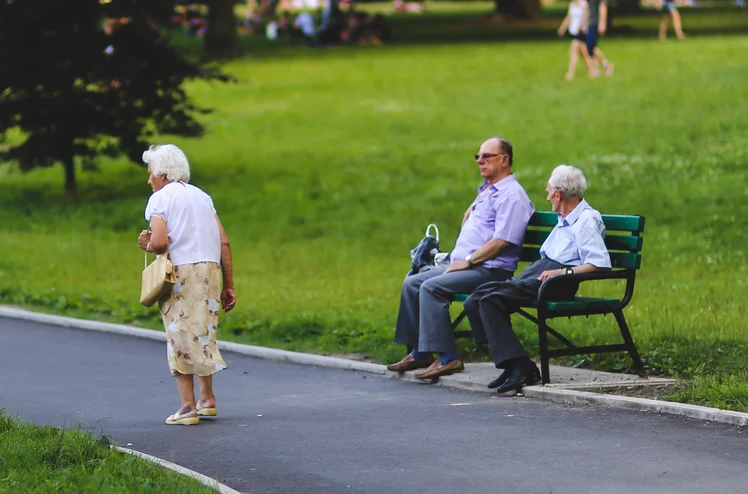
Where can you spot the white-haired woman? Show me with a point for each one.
(184, 223)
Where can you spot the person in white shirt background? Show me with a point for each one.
(184, 223)
(576, 24)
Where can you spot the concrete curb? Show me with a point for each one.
(457, 381)
(640, 404)
(203, 479)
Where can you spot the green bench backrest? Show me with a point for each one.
(623, 237)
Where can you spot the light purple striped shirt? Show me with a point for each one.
(501, 211)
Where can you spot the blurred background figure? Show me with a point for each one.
(669, 11)
(576, 24)
(402, 6)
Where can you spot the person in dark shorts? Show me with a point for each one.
(575, 23)
(598, 19)
(669, 11)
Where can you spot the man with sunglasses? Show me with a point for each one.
(487, 249)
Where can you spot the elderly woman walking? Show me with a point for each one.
(184, 223)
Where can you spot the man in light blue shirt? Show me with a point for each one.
(575, 245)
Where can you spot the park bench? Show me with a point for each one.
(624, 242)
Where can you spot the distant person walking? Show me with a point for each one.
(597, 25)
(669, 11)
(185, 224)
(576, 24)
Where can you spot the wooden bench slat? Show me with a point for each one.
(613, 222)
(543, 218)
(585, 304)
(535, 237)
(625, 260)
(624, 223)
(631, 243)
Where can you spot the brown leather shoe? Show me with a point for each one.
(409, 363)
(437, 369)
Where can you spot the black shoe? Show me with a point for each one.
(521, 376)
(500, 380)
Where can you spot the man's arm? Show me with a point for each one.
(584, 268)
(228, 296)
(466, 215)
(487, 251)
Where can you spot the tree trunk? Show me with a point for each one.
(523, 9)
(220, 32)
(71, 186)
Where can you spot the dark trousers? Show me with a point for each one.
(423, 320)
(490, 306)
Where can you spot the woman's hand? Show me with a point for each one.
(228, 299)
(144, 239)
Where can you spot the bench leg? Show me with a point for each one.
(543, 342)
(458, 320)
(638, 366)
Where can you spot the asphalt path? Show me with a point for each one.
(290, 428)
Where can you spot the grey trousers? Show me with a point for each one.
(489, 309)
(423, 321)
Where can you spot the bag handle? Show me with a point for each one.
(145, 258)
(435, 228)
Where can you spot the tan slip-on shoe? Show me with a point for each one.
(409, 363)
(437, 369)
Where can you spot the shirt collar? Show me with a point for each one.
(572, 217)
(498, 185)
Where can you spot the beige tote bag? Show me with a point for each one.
(158, 279)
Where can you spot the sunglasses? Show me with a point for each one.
(485, 156)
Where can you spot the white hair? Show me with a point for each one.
(169, 160)
(569, 180)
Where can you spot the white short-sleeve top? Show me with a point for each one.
(190, 222)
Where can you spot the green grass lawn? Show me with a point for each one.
(326, 166)
(46, 459)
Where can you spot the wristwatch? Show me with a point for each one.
(469, 260)
(569, 271)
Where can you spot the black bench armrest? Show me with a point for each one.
(620, 274)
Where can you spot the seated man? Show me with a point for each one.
(487, 249)
(575, 245)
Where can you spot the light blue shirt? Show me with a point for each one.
(578, 239)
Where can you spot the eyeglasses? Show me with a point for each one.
(485, 156)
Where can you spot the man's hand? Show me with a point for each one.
(228, 299)
(561, 32)
(545, 275)
(457, 266)
(601, 28)
(144, 239)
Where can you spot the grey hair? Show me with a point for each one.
(569, 180)
(505, 147)
(169, 160)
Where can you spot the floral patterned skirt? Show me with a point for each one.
(190, 316)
